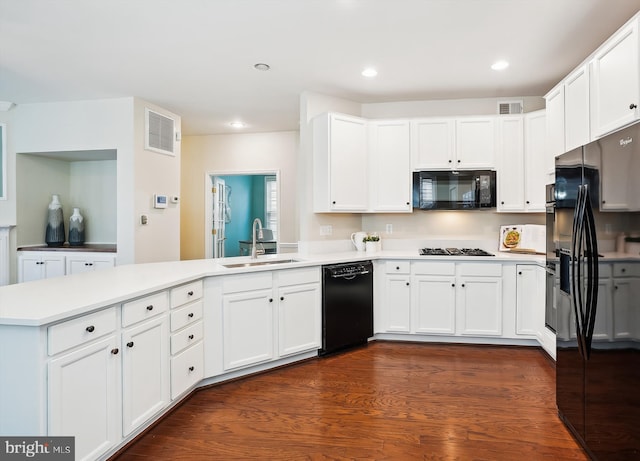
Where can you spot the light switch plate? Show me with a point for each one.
(326, 230)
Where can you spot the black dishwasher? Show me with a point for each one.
(347, 305)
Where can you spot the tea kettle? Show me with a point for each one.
(357, 240)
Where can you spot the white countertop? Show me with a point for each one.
(51, 300)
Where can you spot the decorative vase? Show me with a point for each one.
(76, 228)
(54, 234)
(372, 247)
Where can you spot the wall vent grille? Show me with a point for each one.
(510, 107)
(159, 133)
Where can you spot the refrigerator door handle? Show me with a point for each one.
(576, 269)
(592, 275)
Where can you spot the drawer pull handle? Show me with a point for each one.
(192, 368)
(130, 344)
(115, 351)
(632, 106)
(190, 293)
(190, 315)
(150, 307)
(191, 336)
(624, 270)
(397, 268)
(90, 328)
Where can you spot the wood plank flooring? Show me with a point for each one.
(385, 401)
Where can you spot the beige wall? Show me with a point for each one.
(229, 154)
(155, 173)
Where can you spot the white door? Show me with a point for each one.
(220, 213)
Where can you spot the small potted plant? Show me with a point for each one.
(372, 243)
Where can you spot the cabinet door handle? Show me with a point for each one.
(192, 368)
(333, 203)
(453, 284)
(190, 336)
(115, 351)
(150, 307)
(130, 344)
(623, 270)
(616, 287)
(528, 202)
(458, 161)
(190, 315)
(407, 283)
(281, 298)
(270, 300)
(90, 328)
(190, 293)
(449, 161)
(462, 285)
(408, 203)
(519, 273)
(632, 106)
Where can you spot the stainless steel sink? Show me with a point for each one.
(260, 263)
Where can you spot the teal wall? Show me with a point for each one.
(246, 202)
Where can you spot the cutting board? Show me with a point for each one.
(523, 238)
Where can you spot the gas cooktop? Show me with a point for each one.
(454, 252)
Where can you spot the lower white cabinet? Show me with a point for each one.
(85, 262)
(530, 299)
(479, 303)
(84, 397)
(37, 265)
(145, 372)
(269, 315)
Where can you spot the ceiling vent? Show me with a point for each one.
(510, 107)
(159, 133)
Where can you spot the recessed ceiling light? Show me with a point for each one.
(237, 124)
(262, 66)
(500, 65)
(369, 72)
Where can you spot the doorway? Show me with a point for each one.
(233, 201)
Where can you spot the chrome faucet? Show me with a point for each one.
(254, 249)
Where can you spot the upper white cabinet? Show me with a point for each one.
(475, 142)
(340, 164)
(576, 108)
(555, 124)
(522, 162)
(433, 143)
(615, 81)
(390, 166)
(453, 143)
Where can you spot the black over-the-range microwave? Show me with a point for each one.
(454, 190)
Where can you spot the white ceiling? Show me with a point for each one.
(195, 57)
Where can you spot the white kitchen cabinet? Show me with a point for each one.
(626, 278)
(479, 299)
(145, 372)
(530, 299)
(258, 308)
(396, 300)
(433, 143)
(37, 265)
(299, 318)
(576, 108)
(187, 337)
(390, 186)
(453, 143)
(340, 164)
(535, 161)
(615, 81)
(511, 165)
(77, 263)
(84, 382)
(475, 143)
(247, 328)
(555, 125)
(433, 296)
(84, 397)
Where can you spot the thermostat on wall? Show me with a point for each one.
(159, 201)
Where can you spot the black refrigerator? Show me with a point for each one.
(597, 292)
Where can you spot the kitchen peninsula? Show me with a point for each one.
(121, 346)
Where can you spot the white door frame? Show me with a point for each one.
(208, 201)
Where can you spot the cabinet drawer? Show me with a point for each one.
(144, 308)
(186, 315)
(247, 282)
(298, 276)
(623, 270)
(185, 338)
(434, 268)
(398, 267)
(480, 269)
(186, 293)
(78, 331)
(187, 369)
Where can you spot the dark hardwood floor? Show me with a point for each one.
(386, 401)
